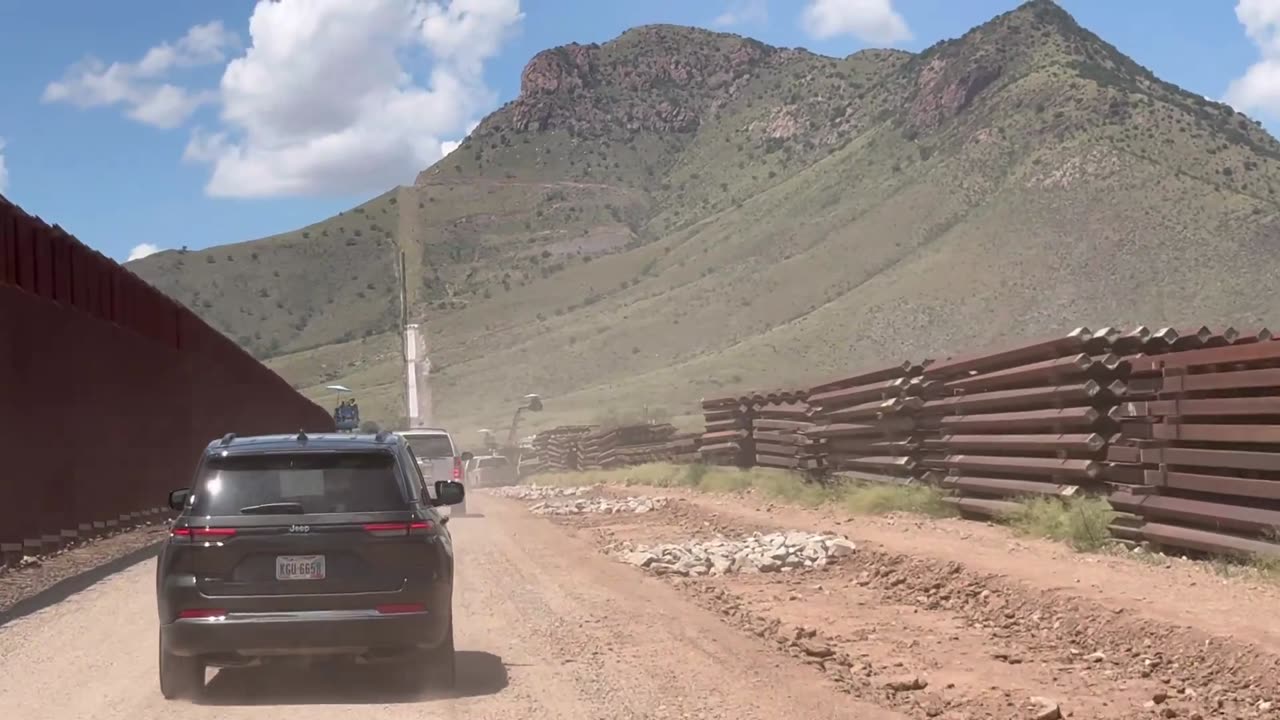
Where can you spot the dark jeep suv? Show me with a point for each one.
(296, 545)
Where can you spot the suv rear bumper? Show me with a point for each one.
(350, 632)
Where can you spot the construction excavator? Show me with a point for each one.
(510, 447)
(532, 403)
(498, 465)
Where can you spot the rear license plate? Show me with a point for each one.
(299, 567)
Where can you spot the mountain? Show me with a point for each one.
(677, 213)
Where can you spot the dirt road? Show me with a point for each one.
(958, 620)
(547, 628)
(557, 618)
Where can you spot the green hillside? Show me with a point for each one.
(679, 212)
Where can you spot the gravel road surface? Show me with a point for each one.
(547, 628)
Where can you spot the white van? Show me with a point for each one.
(437, 457)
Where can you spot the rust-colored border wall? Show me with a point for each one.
(109, 388)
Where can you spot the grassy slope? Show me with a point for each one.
(328, 282)
(1076, 188)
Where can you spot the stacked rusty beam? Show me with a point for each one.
(727, 436)
(1027, 421)
(626, 445)
(779, 421)
(1124, 466)
(558, 449)
(629, 455)
(1204, 470)
(683, 448)
(863, 425)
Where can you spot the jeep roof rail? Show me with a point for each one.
(383, 435)
(226, 439)
(302, 436)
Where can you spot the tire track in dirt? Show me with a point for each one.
(936, 638)
(547, 628)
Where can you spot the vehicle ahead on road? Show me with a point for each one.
(490, 471)
(438, 457)
(297, 545)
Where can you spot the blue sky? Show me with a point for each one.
(175, 122)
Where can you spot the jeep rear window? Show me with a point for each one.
(430, 446)
(312, 482)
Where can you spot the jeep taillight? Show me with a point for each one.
(202, 614)
(457, 469)
(202, 533)
(396, 529)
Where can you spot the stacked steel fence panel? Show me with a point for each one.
(862, 426)
(683, 448)
(626, 445)
(727, 437)
(559, 449)
(1178, 428)
(779, 421)
(1124, 467)
(1200, 464)
(1027, 421)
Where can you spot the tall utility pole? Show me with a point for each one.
(417, 367)
(411, 376)
(404, 293)
(408, 343)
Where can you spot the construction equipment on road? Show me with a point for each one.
(346, 413)
(511, 447)
(532, 402)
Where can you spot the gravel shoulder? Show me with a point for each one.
(957, 620)
(25, 587)
(547, 628)
(1162, 589)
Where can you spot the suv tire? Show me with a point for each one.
(180, 676)
(433, 669)
(441, 664)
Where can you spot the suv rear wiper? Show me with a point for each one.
(282, 508)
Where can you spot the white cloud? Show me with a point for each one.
(742, 12)
(449, 146)
(141, 251)
(1259, 87)
(4, 171)
(140, 87)
(468, 32)
(321, 102)
(873, 21)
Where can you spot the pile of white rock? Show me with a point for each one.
(599, 506)
(760, 553)
(538, 492)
